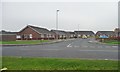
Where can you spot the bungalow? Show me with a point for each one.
(80, 34)
(59, 34)
(105, 33)
(7, 36)
(35, 33)
(70, 34)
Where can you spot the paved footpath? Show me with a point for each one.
(75, 48)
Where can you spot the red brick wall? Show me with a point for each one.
(7, 37)
(28, 30)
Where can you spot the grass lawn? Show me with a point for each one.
(23, 42)
(17, 63)
(112, 42)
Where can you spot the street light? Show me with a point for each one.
(78, 27)
(57, 21)
(78, 31)
(57, 18)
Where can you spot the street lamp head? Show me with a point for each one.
(58, 10)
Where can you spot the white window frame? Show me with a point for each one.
(30, 35)
(18, 36)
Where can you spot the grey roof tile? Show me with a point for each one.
(59, 32)
(84, 32)
(41, 30)
(106, 32)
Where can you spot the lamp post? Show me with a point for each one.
(78, 27)
(78, 31)
(57, 18)
(57, 21)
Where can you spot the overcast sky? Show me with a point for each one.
(93, 16)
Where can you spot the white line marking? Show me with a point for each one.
(69, 45)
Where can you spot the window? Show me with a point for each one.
(42, 36)
(71, 36)
(79, 35)
(30, 35)
(18, 36)
(60, 36)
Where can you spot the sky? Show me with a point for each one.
(94, 16)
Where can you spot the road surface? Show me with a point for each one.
(76, 48)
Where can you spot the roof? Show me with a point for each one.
(71, 32)
(84, 32)
(106, 32)
(39, 30)
(7, 33)
(59, 32)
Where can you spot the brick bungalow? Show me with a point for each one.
(70, 34)
(60, 34)
(79, 34)
(107, 33)
(35, 33)
(7, 36)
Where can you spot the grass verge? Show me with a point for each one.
(112, 42)
(23, 42)
(17, 63)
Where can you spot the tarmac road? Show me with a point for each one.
(77, 48)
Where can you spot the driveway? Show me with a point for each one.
(76, 48)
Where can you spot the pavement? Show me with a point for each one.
(72, 48)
